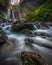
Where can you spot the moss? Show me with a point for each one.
(32, 58)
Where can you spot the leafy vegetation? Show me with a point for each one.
(3, 8)
(43, 13)
(3, 15)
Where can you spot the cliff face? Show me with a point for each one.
(27, 6)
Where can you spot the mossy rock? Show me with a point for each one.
(32, 58)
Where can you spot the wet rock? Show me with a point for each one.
(27, 32)
(17, 27)
(32, 58)
(3, 38)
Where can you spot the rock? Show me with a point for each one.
(27, 32)
(29, 41)
(3, 38)
(32, 58)
(17, 27)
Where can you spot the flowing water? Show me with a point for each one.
(10, 56)
(8, 13)
(11, 13)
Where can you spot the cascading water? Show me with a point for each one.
(11, 14)
(7, 29)
(8, 13)
(20, 46)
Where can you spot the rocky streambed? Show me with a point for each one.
(24, 49)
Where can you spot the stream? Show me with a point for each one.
(9, 56)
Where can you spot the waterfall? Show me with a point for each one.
(8, 13)
(13, 16)
(11, 13)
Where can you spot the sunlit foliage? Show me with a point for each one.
(43, 13)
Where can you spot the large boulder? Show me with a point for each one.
(17, 27)
(3, 38)
(32, 58)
